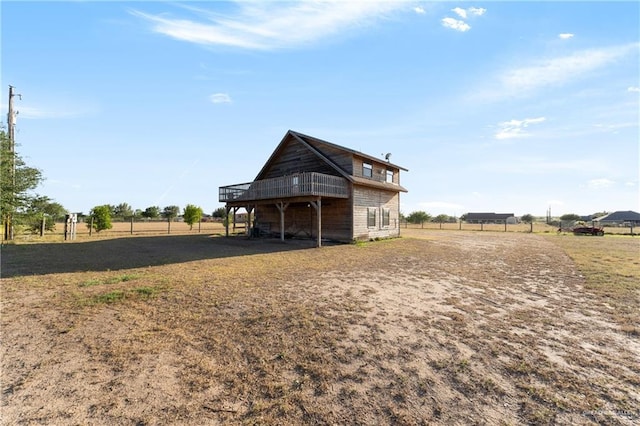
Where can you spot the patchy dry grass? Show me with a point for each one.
(434, 328)
(611, 269)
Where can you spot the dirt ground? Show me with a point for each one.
(450, 328)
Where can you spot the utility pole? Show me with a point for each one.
(11, 124)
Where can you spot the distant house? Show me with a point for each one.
(490, 218)
(619, 218)
(313, 188)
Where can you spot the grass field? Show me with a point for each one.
(437, 327)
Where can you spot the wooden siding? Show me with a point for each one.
(365, 198)
(301, 220)
(341, 158)
(295, 158)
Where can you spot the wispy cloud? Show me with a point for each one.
(633, 89)
(565, 36)
(516, 128)
(271, 25)
(455, 24)
(560, 70)
(600, 183)
(220, 98)
(522, 81)
(419, 10)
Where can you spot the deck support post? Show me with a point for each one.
(226, 220)
(281, 206)
(318, 206)
(249, 209)
(235, 210)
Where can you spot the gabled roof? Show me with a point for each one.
(310, 142)
(620, 216)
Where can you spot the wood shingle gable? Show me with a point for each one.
(298, 152)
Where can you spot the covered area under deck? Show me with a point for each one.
(274, 202)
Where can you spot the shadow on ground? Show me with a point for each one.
(132, 252)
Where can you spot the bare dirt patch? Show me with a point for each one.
(434, 328)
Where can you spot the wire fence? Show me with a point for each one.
(129, 228)
(211, 227)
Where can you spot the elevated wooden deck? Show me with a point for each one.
(296, 185)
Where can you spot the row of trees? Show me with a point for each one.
(420, 217)
(100, 217)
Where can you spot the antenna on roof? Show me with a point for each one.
(387, 156)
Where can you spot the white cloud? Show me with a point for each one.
(460, 12)
(600, 183)
(271, 25)
(459, 25)
(478, 11)
(464, 13)
(557, 71)
(565, 36)
(633, 89)
(220, 98)
(419, 10)
(455, 24)
(516, 128)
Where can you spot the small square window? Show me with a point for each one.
(367, 170)
(371, 217)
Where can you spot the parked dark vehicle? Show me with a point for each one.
(588, 230)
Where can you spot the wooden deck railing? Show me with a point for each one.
(297, 185)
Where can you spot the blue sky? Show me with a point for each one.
(512, 107)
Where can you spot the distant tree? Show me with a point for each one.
(43, 208)
(170, 213)
(101, 216)
(570, 217)
(192, 214)
(441, 218)
(418, 217)
(16, 180)
(220, 212)
(463, 218)
(122, 211)
(152, 212)
(527, 218)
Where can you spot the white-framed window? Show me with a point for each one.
(386, 217)
(367, 170)
(389, 178)
(371, 217)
